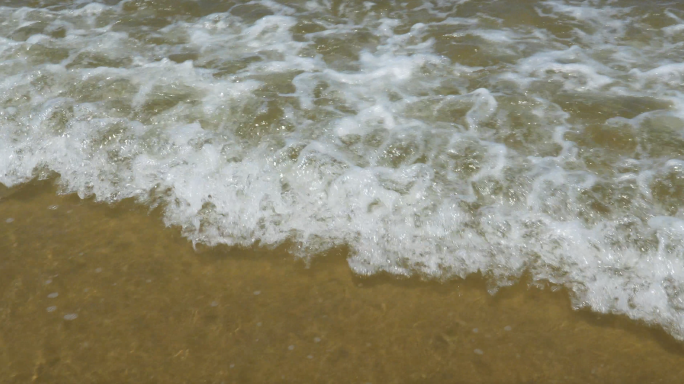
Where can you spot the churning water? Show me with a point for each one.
(431, 137)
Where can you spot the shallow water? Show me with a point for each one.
(533, 140)
(91, 293)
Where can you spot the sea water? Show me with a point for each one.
(431, 137)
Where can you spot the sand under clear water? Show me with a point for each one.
(331, 191)
(91, 293)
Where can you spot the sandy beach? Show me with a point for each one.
(106, 294)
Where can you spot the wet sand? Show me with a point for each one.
(91, 293)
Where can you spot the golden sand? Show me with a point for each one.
(91, 293)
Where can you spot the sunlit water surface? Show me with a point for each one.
(431, 138)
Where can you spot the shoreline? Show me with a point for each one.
(98, 293)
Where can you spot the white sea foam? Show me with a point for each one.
(445, 139)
